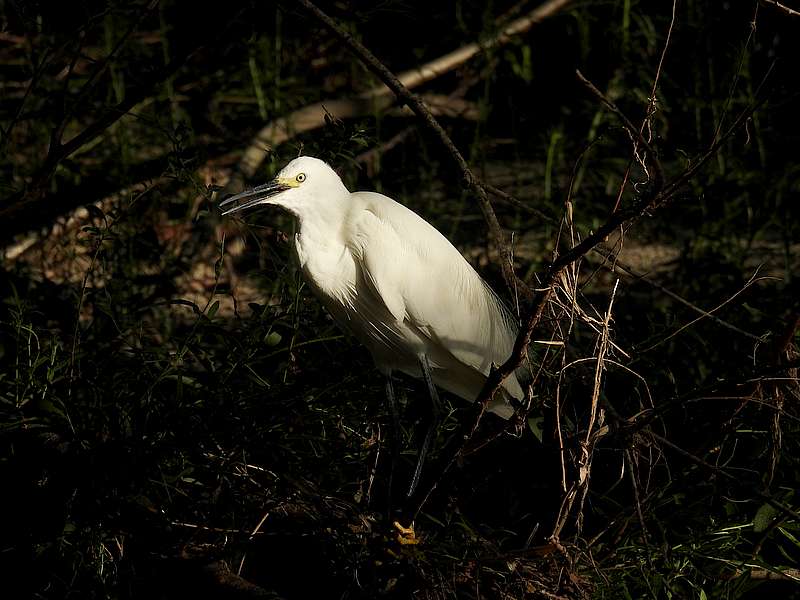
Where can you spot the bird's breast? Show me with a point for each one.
(334, 275)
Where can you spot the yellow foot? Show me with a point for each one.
(406, 535)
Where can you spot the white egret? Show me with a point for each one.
(398, 285)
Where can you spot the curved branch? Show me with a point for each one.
(380, 96)
(783, 7)
(313, 116)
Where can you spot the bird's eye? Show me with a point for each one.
(301, 177)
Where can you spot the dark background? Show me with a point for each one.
(176, 407)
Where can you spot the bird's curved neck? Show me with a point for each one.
(322, 213)
(323, 221)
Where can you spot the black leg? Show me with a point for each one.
(395, 437)
(436, 410)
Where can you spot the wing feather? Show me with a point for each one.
(427, 285)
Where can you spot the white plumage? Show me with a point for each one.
(392, 280)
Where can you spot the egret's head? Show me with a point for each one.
(304, 181)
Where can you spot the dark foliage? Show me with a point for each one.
(179, 416)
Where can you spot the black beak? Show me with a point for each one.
(253, 197)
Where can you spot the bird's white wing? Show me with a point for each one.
(426, 284)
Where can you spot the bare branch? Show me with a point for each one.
(629, 127)
(783, 7)
(617, 265)
(651, 199)
(505, 196)
(753, 280)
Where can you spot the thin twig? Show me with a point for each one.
(637, 500)
(616, 264)
(695, 459)
(505, 196)
(602, 349)
(649, 112)
(649, 202)
(753, 280)
(788, 510)
(735, 82)
(637, 134)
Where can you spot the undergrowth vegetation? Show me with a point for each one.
(178, 415)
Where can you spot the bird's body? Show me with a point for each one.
(392, 280)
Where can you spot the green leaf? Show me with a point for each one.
(763, 518)
(212, 310)
(272, 339)
(789, 536)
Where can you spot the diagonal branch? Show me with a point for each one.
(614, 264)
(469, 180)
(657, 195)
